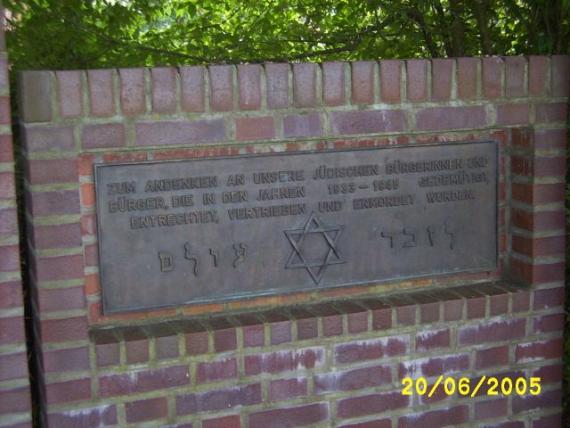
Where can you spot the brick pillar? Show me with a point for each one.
(15, 405)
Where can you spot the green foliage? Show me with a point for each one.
(58, 34)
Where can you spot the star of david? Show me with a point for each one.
(300, 259)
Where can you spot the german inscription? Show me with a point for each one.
(215, 229)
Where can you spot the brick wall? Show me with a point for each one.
(15, 404)
(338, 359)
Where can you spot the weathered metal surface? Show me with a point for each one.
(179, 232)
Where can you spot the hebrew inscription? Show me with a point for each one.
(216, 229)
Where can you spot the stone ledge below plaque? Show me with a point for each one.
(364, 313)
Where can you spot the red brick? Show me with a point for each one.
(550, 374)
(253, 335)
(281, 361)
(491, 331)
(245, 395)
(68, 391)
(56, 236)
(538, 221)
(163, 89)
(491, 409)
(432, 340)
(166, 347)
(370, 404)
(560, 72)
(467, 77)
(537, 75)
(70, 91)
(192, 88)
(416, 70)
(362, 82)
(492, 74)
(368, 121)
(333, 83)
(551, 112)
(429, 312)
(13, 366)
(555, 245)
(6, 150)
(285, 389)
(538, 194)
(441, 79)
(36, 95)
(45, 138)
(61, 299)
(255, 128)
(539, 350)
(350, 380)
(5, 114)
(453, 310)
(382, 318)
(499, 304)
(390, 79)
(376, 423)
(512, 114)
(137, 351)
(7, 186)
(292, 416)
(332, 325)
(179, 132)
(536, 274)
(550, 138)
(133, 100)
(307, 328)
(145, 410)
(11, 295)
(492, 357)
(9, 258)
(280, 332)
(101, 93)
(440, 118)
(12, 330)
(476, 307)
(549, 323)
(514, 76)
(59, 268)
(523, 137)
(225, 340)
(357, 322)
(107, 354)
(221, 87)
(370, 349)
(304, 84)
(15, 400)
(277, 78)
(52, 171)
(302, 125)
(216, 370)
(543, 401)
(549, 298)
(197, 343)
(249, 83)
(436, 418)
(406, 315)
(434, 366)
(551, 421)
(103, 415)
(143, 381)
(232, 421)
(63, 330)
(66, 360)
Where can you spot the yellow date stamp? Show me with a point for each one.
(467, 387)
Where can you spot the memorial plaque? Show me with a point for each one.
(216, 229)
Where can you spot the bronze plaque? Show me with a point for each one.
(215, 229)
